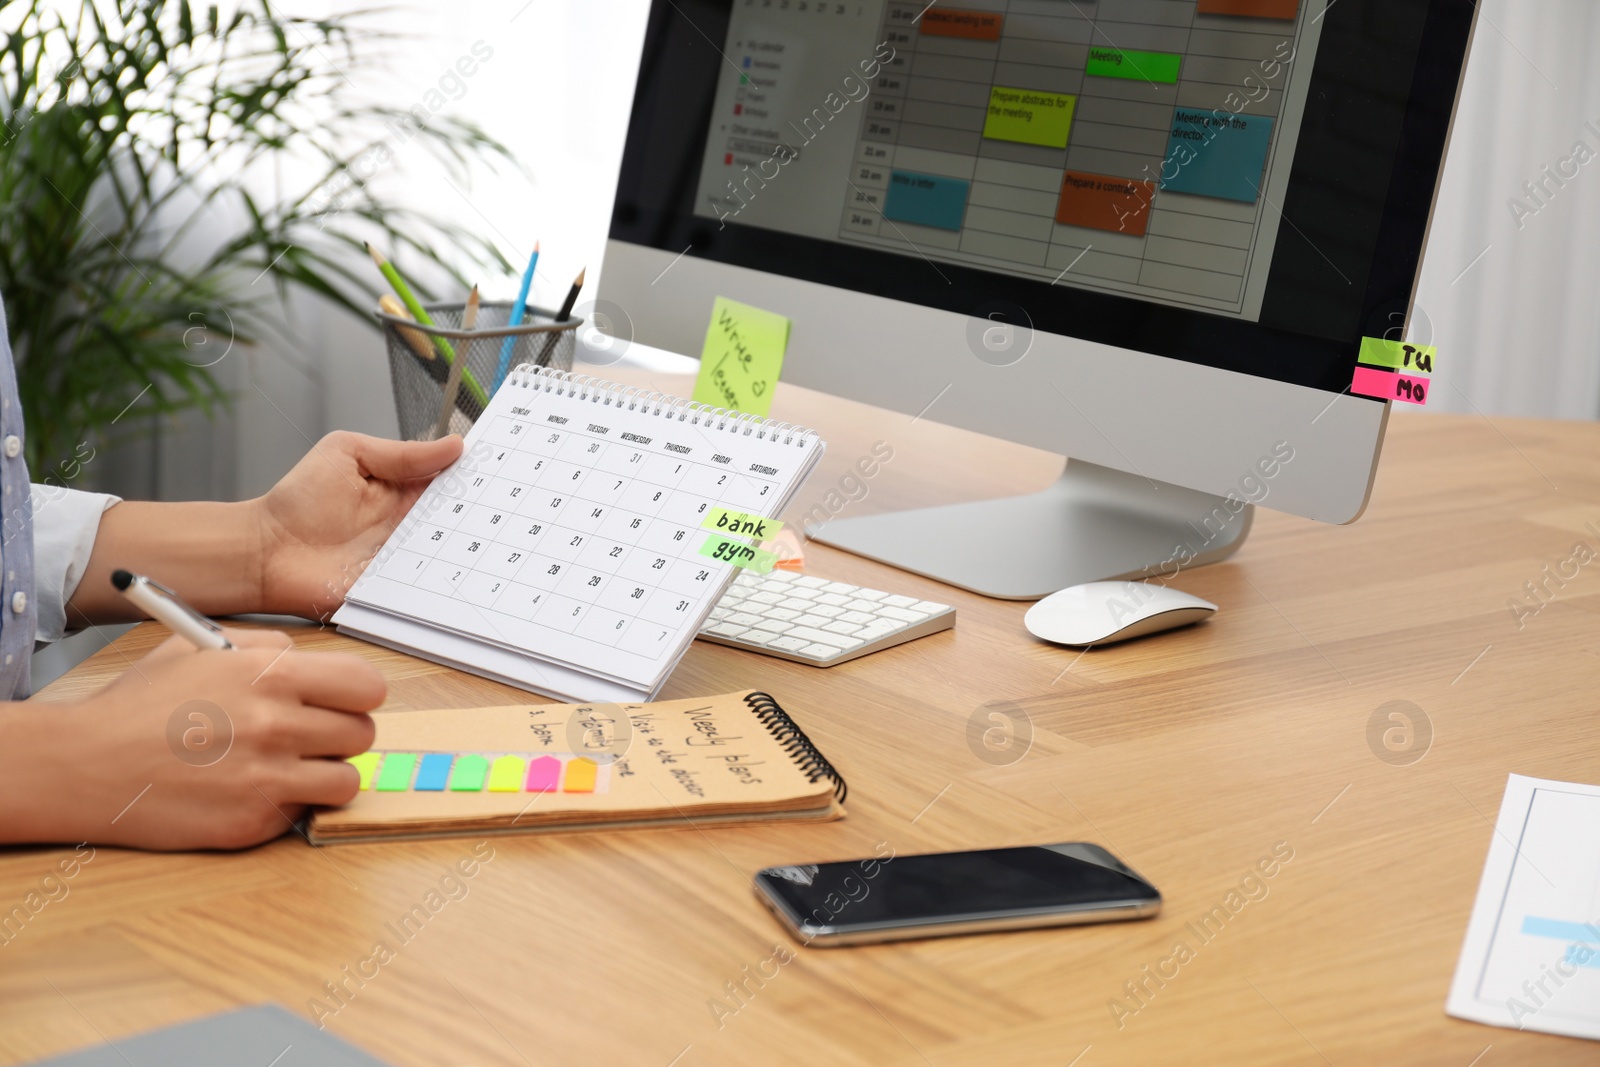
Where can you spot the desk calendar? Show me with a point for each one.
(561, 552)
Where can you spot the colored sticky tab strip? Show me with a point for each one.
(580, 775)
(739, 554)
(506, 774)
(395, 777)
(435, 772)
(366, 763)
(470, 771)
(740, 524)
(1137, 66)
(544, 774)
(1390, 385)
(742, 356)
(1398, 355)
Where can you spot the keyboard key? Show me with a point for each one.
(900, 601)
(840, 601)
(796, 592)
(844, 629)
(719, 613)
(726, 629)
(781, 576)
(810, 582)
(873, 631)
(860, 618)
(820, 651)
(814, 621)
(743, 618)
(930, 607)
(766, 598)
(776, 626)
(824, 610)
(855, 603)
(786, 614)
(839, 587)
(787, 644)
(870, 594)
(819, 636)
(904, 614)
(757, 637)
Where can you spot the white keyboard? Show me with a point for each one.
(811, 620)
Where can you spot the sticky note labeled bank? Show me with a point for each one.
(742, 356)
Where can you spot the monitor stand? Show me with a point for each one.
(1093, 524)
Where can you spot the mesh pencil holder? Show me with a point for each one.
(420, 359)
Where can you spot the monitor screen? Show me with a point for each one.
(1239, 183)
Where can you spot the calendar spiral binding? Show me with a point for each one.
(812, 763)
(598, 390)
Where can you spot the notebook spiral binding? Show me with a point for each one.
(600, 391)
(812, 763)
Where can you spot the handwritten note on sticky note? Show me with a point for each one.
(742, 356)
(739, 554)
(1389, 385)
(1397, 355)
(739, 524)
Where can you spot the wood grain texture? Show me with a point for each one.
(1193, 755)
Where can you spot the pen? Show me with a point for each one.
(163, 605)
(516, 318)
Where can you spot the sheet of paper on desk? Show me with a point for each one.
(1531, 959)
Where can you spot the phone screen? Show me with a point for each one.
(943, 886)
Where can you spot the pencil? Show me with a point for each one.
(452, 385)
(415, 338)
(418, 312)
(565, 314)
(516, 318)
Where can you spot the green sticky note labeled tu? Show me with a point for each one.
(739, 554)
(1397, 355)
(742, 356)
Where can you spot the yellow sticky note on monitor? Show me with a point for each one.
(742, 356)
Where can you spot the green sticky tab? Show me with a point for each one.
(1029, 117)
(742, 356)
(395, 777)
(1159, 67)
(739, 554)
(740, 524)
(468, 775)
(1397, 355)
(365, 763)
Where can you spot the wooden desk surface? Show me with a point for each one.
(1193, 755)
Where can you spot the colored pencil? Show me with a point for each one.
(565, 314)
(516, 318)
(418, 312)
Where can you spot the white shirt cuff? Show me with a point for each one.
(65, 524)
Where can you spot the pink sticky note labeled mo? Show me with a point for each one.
(544, 775)
(1390, 385)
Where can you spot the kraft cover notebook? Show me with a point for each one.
(568, 550)
(548, 767)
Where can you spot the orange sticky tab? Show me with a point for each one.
(580, 775)
(366, 763)
(506, 775)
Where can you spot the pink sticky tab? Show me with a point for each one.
(544, 775)
(1389, 385)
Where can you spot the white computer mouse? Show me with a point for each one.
(1099, 613)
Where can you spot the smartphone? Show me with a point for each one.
(892, 898)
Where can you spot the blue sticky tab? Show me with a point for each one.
(435, 772)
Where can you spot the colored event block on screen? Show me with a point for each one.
(1216, 155)
(365, 763)
(1159, 67)
(1029, 117)
(544, 775)
(973, 25)
(1388, 385)
(1258, 9)
(926, 200)
(580, 775)
(395, 775)
(469, 776)
(1561, 930)
(1397, 355)
(1104, 202)
(506, 775)
(434, 773)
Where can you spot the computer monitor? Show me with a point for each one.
(1146, 234)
